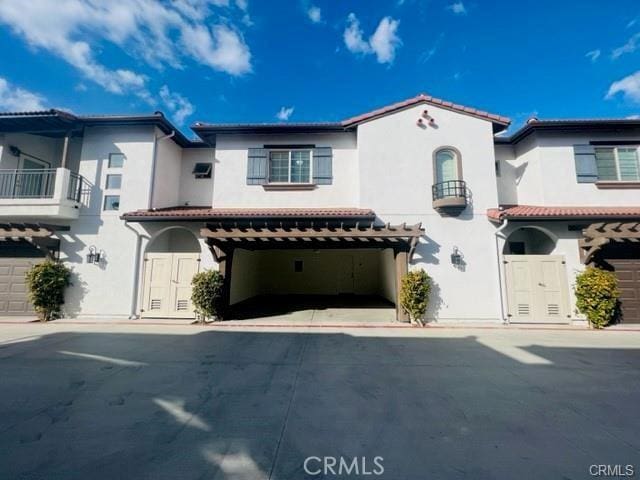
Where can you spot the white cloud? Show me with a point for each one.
(628, 86)
(284, 113)
(179, 106)
(629, 47)
(160, 33)
(384, 42)
(633, 117)
(315, 14)
(16, 99)
(353, 36)
(458, 8)
(593, 55)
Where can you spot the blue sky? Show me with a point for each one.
(315, 60)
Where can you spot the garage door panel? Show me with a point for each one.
(624, 260)
(13, 285)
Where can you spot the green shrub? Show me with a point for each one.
(207, 294)
(597, 295)
(414, 295)
(46, 282)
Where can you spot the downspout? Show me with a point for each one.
(133, 313)
(504, 225)
(153, 164)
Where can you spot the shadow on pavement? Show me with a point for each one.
(254, 405)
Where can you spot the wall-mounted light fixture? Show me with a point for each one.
(419, 122)
(456, 257)
(94, 256)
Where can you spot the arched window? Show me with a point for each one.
(447, 165)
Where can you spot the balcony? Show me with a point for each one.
(53, 193)
(450, 197)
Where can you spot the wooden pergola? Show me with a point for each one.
(38, 234)
(224, 237)
(597, 235)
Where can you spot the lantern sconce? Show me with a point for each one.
(94, 256)
(457, 258)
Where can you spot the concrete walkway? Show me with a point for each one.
(189, 402)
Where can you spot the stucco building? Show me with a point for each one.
(343, 209)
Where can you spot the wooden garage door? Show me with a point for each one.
(624, 260)
(15, 260)
(13, 290)
(628, 273)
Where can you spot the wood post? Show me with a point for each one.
(225, 265)
(402, 267)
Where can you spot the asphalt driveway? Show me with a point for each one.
(184, 402)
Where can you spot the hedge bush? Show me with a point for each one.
(597, 295)
(414, 294)
(46, 283)
(207, 294)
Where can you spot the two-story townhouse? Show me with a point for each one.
(322, 210)
(569, 193)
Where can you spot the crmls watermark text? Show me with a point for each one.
(343, 466)
(616, 471)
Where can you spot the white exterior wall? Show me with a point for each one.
(508, 179)
(230, 173)
(566, 244)
(48, 149)
(167, 172)
(106, 290)
(197, 192)
(324, 272)
(396, 175)
(549, 174)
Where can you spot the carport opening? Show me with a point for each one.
(529, 241)
(274, 282)
(174, 240)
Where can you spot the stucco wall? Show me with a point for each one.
(230, 185)
(387, 275)
(196, 191)
(325, 272)
(509, 177)
(549, 175)
(396, 176)
(566, 244)
(45, 148)
(106, 290)
(167, 172)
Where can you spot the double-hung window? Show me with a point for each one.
(618, 164)
(290, 166)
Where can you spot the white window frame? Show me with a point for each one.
(617, 160)
(112, 192)
(289, 151)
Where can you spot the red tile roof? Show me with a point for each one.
(534, 212)
(205, 213)
(438, 102)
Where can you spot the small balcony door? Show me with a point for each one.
(34, 179)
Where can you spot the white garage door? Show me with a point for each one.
(537, 288)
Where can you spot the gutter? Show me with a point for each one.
(504, 224)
